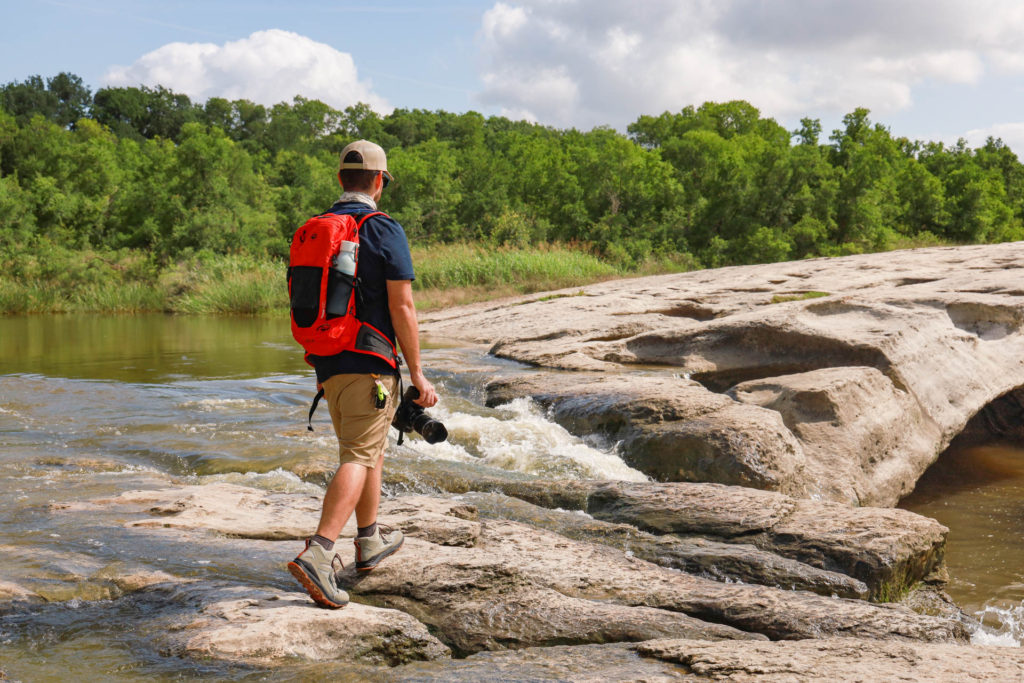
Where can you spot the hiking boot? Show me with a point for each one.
(370, 550)
(314, 568)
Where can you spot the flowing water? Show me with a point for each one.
(979, 494)
(95, 406)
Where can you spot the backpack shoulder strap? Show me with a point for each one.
(362, 218)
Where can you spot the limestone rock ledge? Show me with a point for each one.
(838, 659)
(837, 378)
(265, 625)
(490, 584)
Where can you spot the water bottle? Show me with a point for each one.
(345, 261)
(340, 279)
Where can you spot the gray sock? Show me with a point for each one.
(365, 531)
(327, 543)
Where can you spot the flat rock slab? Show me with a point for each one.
(229, 509)
(596, 663)
(886, 549)
(265, 625)
(706, 509)
(243, 512)
(867, 384)
(491, 584)
(696, 555)
(842, 659)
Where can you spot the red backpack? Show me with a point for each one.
(313, 283)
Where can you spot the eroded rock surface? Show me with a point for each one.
(868, 383)
(61, 575)
(491, 584)
(842, 659)
(690, 525)
(263, 625)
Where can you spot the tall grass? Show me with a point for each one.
(52, 279)
(228, 284)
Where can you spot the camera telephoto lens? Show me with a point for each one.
(430, 429)
(411, 417)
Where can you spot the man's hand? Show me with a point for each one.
(428, 397)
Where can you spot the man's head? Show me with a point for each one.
(364, 168)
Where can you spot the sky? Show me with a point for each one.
(927, 69)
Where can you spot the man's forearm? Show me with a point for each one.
(407, 332)
(403, 319)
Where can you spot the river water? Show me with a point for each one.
(95, 406)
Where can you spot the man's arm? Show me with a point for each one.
(403, 318)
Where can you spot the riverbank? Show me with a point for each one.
(52, 279)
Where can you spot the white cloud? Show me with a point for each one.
(590, 62)
(267, 67)
(1010, 133)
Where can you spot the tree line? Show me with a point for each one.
(147, 169)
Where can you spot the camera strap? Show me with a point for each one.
(401, 394)
(312, 408)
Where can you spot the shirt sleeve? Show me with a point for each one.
(395, 250)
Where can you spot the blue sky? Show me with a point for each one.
(928, 69)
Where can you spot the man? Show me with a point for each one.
(351, 380)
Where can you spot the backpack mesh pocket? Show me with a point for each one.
(305, 290)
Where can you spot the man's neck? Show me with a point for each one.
(360, 197)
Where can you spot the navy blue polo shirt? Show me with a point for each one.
(383, 255)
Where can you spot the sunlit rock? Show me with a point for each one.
(871, 364)
(841, 659)
(264, 625)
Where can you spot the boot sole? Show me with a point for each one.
(314, 590)
(370, 564)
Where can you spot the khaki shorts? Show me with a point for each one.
(362, 429)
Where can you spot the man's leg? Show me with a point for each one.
(315, 566)
(362, 437)
(372, 543)
(346, 490)
(369, 497)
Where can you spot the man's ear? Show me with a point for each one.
(339, 180)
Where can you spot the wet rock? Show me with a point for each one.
(266, 626)
(12, 592)
(928, 598)
(67, 575)
(840, 659)
(414, 474)
(670, 429)
(870, 382)
(614, 662)
(228, 509)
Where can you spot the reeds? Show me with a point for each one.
(68, 281)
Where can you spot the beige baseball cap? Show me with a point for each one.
(368, 156)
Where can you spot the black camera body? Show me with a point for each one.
(411, 417)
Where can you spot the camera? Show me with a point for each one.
(410, 416)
